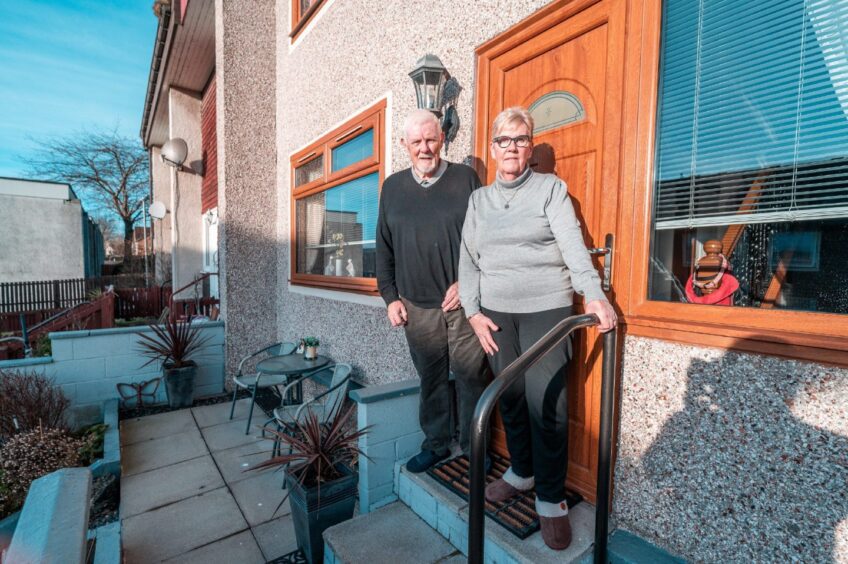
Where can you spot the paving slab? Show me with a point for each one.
(156, 426)
(234, 461)
(259, 496)
(180, 527)
(231, 434)
(209, 415)
(159, 487)
(276, 538)
(410, 539)
(240, 548)
(157, 453)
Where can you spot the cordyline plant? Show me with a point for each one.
(173, 343)
(317, 449)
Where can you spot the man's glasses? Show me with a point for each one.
(504, 141)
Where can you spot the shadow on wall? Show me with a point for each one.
(750, 468)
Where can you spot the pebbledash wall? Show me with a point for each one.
(87, 365)
(366, 56)
(721, 456)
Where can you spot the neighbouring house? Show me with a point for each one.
(674, 123)
(181, 104)
(141, 242)
(45, 233)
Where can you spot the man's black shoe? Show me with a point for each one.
(424, 460)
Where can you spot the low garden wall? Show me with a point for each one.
(87, 365)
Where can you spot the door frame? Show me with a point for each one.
(638, 103)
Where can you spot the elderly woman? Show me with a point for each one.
(522, 258)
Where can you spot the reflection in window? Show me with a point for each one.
(335, 230)
(555, 109)
(309, 172)
(359, 148)
(752, 154)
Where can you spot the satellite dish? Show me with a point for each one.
(157, 210)
(174, 152)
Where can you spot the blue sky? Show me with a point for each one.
(69, 65)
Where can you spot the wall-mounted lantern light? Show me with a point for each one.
(430, 77)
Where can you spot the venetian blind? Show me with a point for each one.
(753, 114)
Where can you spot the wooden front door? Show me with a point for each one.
(566, 64)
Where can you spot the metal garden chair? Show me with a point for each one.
(257, 380)
(325, 406)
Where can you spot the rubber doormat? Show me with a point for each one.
(517, 515)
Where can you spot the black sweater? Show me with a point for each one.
(419, 232)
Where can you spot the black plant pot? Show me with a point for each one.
(179, 384)
(315, 509)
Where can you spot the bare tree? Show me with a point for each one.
(109, 172)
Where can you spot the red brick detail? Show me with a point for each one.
(209, 142)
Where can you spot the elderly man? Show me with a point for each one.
(418, 238)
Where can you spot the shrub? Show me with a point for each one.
(43, 346)
(30, 455)
(92, 443)
(29, 401)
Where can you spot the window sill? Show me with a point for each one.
(825, 349)
(361, 298)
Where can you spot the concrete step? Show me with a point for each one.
(447, 513)
(388, 535)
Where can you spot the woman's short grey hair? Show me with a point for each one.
(512, 115)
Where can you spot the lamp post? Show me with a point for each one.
(144, 228)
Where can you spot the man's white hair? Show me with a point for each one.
(515, 114)
(419, 116)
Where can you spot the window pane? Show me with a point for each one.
(313, 170)
(752, 152)
(359, 148)
(304, 6)
(336, 230)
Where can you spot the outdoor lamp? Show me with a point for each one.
(174, 153)
(430, 77)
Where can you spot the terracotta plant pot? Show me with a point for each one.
(310, 353)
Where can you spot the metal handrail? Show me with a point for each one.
(483, 411)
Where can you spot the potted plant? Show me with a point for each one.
(310, 347)
(320, 476)
(174, 343)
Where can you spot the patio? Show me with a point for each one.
(185, 496)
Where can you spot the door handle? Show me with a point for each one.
(607, 253)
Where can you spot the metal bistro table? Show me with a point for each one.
(291, 365)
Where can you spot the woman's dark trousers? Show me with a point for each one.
(535, 408)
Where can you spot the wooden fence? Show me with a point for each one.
(30, 297)
(96, 314)
(141, 302)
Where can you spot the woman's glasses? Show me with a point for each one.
(504, 141)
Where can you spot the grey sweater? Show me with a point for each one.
(527, 257)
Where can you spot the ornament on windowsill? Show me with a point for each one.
(350, 269)
(712, 283)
